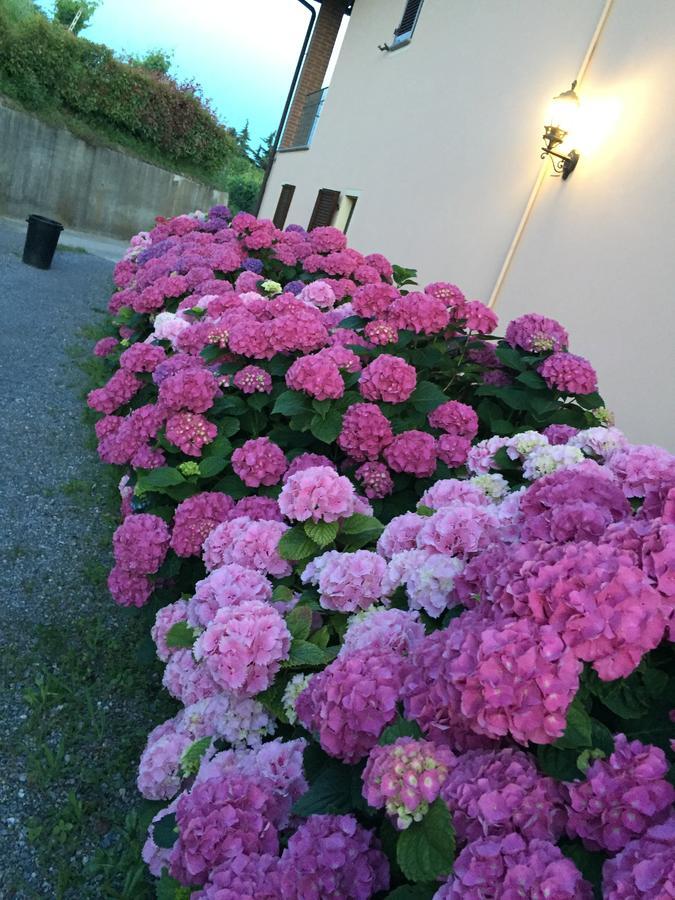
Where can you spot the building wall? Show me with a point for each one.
(51, 172)
(440, 141)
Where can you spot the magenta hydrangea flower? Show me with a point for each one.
(250, 875)
(259, 462)
(307, 461)
(365, 433)
(418, 312)
(195, 518)
(602, 605)
(645, 868)
(228, 585)
(494, 792)
(413, 452)
(332, 858)
(621, 797)
(478, 317)
(481, 457)
(453, 450)
(559, 434)
(351, 701)
(192, 389)
(253, 380)
(459, 530)
(569, 373)
(248, 543)
(243, 646)
(450, 294)
(190, 432)
(220, 821)
(455, 418)
(380, 332)
(142, 357)
(119, 390)
(640, 467)
(573, 504)
(508, 867)
(388, 378)
(405, 778)
(105, 346)
(140, 543)
(373, 300)
(536, 333)
(128, 589)
(318, 376)
(375, 480)
(347, 581)
(319, 494)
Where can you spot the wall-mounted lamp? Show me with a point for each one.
(560, 120)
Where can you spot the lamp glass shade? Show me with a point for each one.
(563, 112)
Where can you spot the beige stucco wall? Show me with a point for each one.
(440, 140)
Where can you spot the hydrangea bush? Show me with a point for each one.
(414, 592)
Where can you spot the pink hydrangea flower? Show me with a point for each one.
(191, 389)
(332, 858)
(380, 332)
(429, 579)
(400, 534)
(347, 581)
(453, 450)
(253, 379)
(375, 479)
(569, 373)
(405, 778)
(365, 432)
(256, 508)
(119, 390)
(478, 317)
(195, 518)
(397, 629)
(105, 346)
(307, 461)
(318, 376)
(621, 796)
(159, 776)
(165, 619)
(536, 333)
(640, 467)
(388, 378)
(455, 418)
(373, 300)
(418, 312)
(459, 530)
(243, 646)
(128, 589)
(259, 462)
(413, 452)
(351, 701)
(559, 434)
(320, 293)
(450, 294)
(250, 543)
(140, 543)
(187, 680)
(190, 432)
(449, 491)
(228, 585)
(142, 357)
(319, 494)
(254, 875)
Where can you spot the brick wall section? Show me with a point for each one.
(316, 62)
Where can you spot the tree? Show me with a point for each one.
(261, 157)
(243, 139)
(158, 61)
(66, 11)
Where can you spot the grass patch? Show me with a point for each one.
(92, 686)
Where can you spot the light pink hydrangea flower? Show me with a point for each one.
(319, 494)
(347, 581)
(248, 543)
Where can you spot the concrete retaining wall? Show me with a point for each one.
(51, 172)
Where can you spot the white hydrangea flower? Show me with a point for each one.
(294, 688)
(494, 486)
(601, 441)
(544, 460)
(520, 445)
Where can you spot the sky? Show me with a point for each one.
(242, 52)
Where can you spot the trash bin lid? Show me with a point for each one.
(35, 218)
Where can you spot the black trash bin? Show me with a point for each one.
(41, 240)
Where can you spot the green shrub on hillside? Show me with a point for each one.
(45, 67)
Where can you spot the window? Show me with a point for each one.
(345, 212)
(309, 118)
(324, 208)
(285, 197)
(404, 32)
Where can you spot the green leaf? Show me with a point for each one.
(180, 635)
(589, 401)
(304, 653)
(352, 322)
(329, 793)
(358, 523)
(158, 479)
(427, 396)
(281, 592)
(400, 728)
(272, 699)
(211, 466)
(511, 358)
(589, 863)
(414, 892)
(320, 637)
(326, 429)
(532, 380)
(559, 764)
(228, 426)
(322, 533)
(167, 888)
(425, 851)
(230, 404)
(631, 697)
(299, 622)
(579, 728)
(165, 832)
(220, 447)
(295, 544)
(290, 403)
(423, 510)
(232, 485)
(192, 757)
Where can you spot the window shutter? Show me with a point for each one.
(284, 204)
(324, 208)
(409, 19)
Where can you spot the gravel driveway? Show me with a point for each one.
(41, 544)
